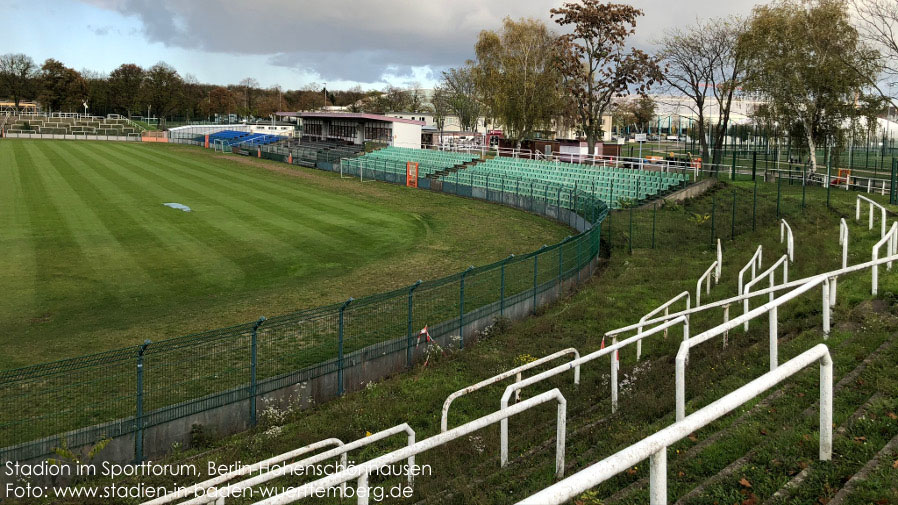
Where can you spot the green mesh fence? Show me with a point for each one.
(125, 391)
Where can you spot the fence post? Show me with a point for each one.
(733, 227)
(804, 186)
(408, 346)
(561, 261)
(252, 370)
(733, 173)
(340, 388)
(502, 287)
(754, 208)
(779, 180)
(828, 180)
(893, 191)
(535, 273)
(138, 439)
(754, 165)
(461, 307)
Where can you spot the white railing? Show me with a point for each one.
(754, 264)
(444, 419)
(705, 279)
(361, 471)
(770, 308)
(786, 234)
(560, 369)
(770, 274)
(204, 487)
(210, 492)
(882, 212)
(666, 308)
(890, 240)
(655, 446)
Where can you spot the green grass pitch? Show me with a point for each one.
(93, 260)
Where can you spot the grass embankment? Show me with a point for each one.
(94, 261)
(766, 443)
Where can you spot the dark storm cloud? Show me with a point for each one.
(359, 40)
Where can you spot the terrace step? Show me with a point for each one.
(888, 451)
(730, 469)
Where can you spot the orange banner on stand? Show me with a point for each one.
(411, 174)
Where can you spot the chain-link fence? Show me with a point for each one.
(82, 400)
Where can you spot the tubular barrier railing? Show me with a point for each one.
(444, 417)
(665, 307)
(705, 280)
(560, 369)
(890, 240)
(786, 234)
(655, 446)
(770, 274)
(771, 309)
(210, 492)
(882, 212)
(754, 264)
(361, 471)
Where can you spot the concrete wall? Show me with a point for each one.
(57, 136)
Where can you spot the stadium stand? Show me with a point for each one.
(394, 159)
(309, 152)
(613, 185)
(64, 125)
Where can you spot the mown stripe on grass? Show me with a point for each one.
(99, 243)
(173, 235)
(334, 212)
(225, 197)
(17, 278)
(330, 244)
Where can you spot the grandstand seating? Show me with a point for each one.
(84, 125)
(394, 159)
(309, 152)
(613, 185)
(243, 139)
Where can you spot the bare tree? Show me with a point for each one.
(703, 63)
(460, 93)
(877, 22)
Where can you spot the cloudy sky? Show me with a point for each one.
(292, 42)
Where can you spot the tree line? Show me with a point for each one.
(813, 66)
(161, 91)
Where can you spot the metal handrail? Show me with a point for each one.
(204, 486)
(444, 419)
(665, 307)
(655, 446)
(882, 211)
(362, 470)
(770, 308)
(613, 348)
(790, 242)
(218, 495)
(770, 273)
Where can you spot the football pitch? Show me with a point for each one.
(92, 259)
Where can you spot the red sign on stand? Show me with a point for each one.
(411, 174)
